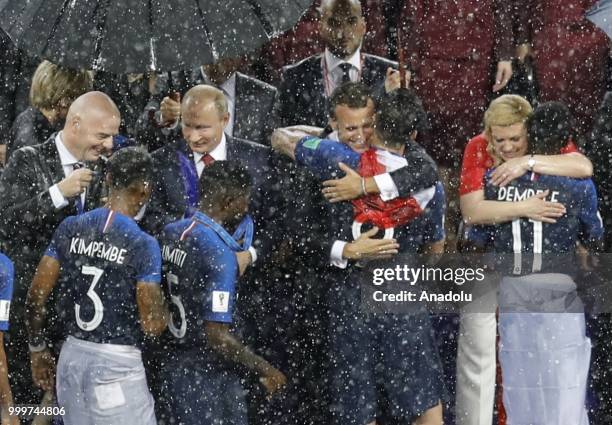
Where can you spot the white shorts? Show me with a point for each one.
(103, 384)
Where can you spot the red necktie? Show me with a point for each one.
(207, 159)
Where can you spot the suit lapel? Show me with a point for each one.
(54, 171)
(241, 104)
(232, 148)
(52, 161)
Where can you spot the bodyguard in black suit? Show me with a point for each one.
(250, 102)
(42, 185)
(307, 85)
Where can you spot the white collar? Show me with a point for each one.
(66, 158)
(219, 153)
(333, 61)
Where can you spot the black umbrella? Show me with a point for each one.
(124, 36)
(601, 15)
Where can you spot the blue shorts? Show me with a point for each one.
(195, 392)
(382, 359)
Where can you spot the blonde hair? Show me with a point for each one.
(54, 86)
(504, 111)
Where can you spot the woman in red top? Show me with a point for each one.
(505, 120)
(504, 123)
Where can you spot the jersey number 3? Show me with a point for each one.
(97, 302)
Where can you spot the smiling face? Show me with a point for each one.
(90, 135)
(509, 141)
(203, 125)
(354, 125)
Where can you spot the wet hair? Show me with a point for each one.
(549, 128)
(129, 166)
(353, 95)
(54, 86)
(201, 94)
(506, 110)
(224, 178)
(328, 4)
(398, 114)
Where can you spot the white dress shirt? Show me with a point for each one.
(334, 72)
(68, 161)
(219, 153)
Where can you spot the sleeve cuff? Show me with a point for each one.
(335, 256)
(386, 186)
(253, 252)
(57, 198)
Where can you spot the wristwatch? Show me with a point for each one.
(531, 162)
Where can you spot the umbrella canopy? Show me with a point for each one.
(601, 15)
(123, 36)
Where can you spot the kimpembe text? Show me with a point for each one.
(430, 280)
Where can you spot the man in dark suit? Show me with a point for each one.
(307, 85)
(177, 168)
(250, 102)
(42, 185)
(179, 164)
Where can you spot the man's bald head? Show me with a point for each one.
(340, 6)
(90, 103)
(92, 121)
(201, 96)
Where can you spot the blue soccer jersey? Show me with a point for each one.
(581, 222)
(200, 272)
(7, 274)
(102, 255)
(322, 157)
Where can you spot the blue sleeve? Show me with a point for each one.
(322, 157)
(434, 230)
(590, 220)
(221, 276)
(148, 258)
(7, 274)
(54, 249)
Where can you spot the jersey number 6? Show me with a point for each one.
(177, 331)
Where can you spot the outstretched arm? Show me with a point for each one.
(284, 140)
(573, 164)
(476, 210)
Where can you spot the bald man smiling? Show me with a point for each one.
(42, 185)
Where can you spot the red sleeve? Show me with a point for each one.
(570, 147)
(476, 162)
